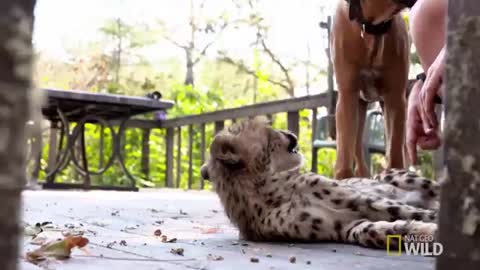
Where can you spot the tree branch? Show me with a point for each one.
(277, 61)
(251, 72)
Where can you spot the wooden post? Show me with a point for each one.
(202, 151)
(100, 151)
(169, 158)
(179, 156)
(52, 152)
(293, 122)
(219, 126)
(146, 153)
(190, 156)
(16, 24)
(459, 223)
(314, 150)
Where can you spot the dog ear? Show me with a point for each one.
(355, 9)
(224, 150)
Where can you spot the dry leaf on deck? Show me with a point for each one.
(59, 249)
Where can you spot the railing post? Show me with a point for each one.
(52, 152)
(293, 122)
(202, 151)
(179, 156)
(219, 126)
(100, 150)
(146, 153)
(459, 222)
(314, 150)
(190, 156)
(169, 158)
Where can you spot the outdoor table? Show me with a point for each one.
(63, 107)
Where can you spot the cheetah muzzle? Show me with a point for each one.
(255, 170)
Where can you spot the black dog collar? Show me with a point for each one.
(355, 13)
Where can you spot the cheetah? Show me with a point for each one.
(255, 170)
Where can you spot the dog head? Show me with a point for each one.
(376, 11)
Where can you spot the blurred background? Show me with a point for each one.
(204, 55)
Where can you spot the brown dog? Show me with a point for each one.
(370, 50)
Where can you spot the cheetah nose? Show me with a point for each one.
(204, 172)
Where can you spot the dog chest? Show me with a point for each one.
(370, 85)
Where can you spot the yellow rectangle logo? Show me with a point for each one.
(389, 240)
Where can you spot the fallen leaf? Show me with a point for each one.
(309, 262)
(159, 222)
(292, 259)
(268, 255)
(214, 257)
(183, 213)
(173, 240)
(111, 244)
(123, 243)
(58, 249)
(177, 251)
(157, 232)
(254, 260)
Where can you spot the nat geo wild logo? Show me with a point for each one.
(423, 245)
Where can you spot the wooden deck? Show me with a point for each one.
(196, 219)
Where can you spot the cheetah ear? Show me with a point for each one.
(224, 150)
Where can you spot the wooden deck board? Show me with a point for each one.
(200, 226)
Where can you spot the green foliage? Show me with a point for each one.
(114, 65)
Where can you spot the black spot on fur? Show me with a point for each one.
(282, 221)
(426, 184)
(367, 228)
(370, 243)
(274, 180)
(297, 229)
(315, 227)
(326, 192)
(337, 201)
(313, 236)
(372, 233)
(394, 211)
(259, 211)
(294, 186)
(269, 202)
(394, 183)
(277, 214)
(304, 216)
(314, 182)
(432, 194)
(317, 195)
(388, 178)
(380, 243)
(389, 232)
(432, 216)
(352, 205)
(337, 226)
(410, 181)
(416, 216)
(317, 221)
(334, 184)
(269, 222)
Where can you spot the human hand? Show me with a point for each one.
(430, 89)
(416, 133)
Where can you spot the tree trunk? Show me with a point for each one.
(459, 223)
(189, 79)
(16, 21)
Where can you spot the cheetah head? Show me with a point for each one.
(251, 148)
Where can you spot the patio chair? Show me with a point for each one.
(373, 138)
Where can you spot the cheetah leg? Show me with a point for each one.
(410, 181)
(378, 209)
(374, 234)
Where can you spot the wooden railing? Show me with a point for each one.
(174, 128)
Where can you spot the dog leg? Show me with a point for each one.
(395, 117)
(361, 169)
(347, 125)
